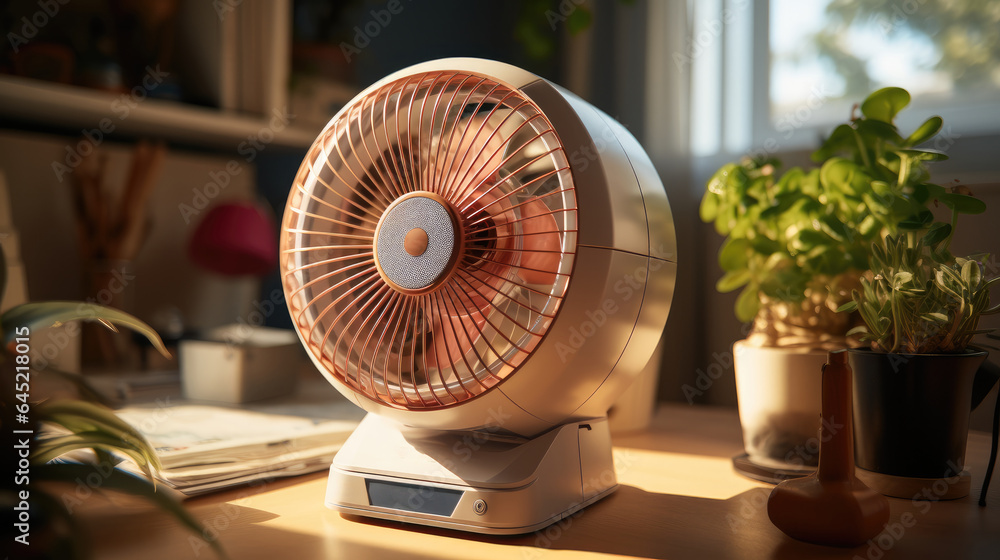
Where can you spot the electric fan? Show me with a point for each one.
(483, 262)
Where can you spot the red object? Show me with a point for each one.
(235, 239)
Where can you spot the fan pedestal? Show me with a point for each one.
(471, 481)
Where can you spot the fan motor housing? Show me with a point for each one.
(620, 284)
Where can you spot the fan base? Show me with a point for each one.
(471, 481)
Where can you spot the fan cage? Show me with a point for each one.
(490, 155)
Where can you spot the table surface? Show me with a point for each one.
(678, 498)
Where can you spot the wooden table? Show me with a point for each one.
(679, 498)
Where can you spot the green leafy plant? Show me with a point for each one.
(80, 424)
(798, 242)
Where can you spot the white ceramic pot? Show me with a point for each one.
(779, 392)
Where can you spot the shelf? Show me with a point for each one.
(76, 109)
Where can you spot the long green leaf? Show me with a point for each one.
(50, 448)
(78, 416)
(53, 313)
(848, 307)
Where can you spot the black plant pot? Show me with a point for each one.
(911, 417)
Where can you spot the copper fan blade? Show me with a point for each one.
(540, 259)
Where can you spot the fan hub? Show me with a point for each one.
(417, 242)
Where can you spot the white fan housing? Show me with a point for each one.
(484, 262)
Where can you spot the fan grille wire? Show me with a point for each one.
(493, 157)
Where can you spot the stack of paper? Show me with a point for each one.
(206, 448)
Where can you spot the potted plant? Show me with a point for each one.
(33, 497)
(913, 386)
(797, 244)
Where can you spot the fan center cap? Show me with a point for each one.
(416, 242)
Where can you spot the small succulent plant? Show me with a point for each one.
(919, 299)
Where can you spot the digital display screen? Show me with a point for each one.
(412, 497)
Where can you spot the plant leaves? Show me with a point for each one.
(925, 131)
(79, 416)
(709, 208)
(936, 317)
(879, 129)
(860, 329)
(936, 234)
(53, 313)
(747, 304)
(844, 175)
(918, 221)
(734, 255)
(848, 307)
(963, 204)
(50, 448)
(971, 274)
(841, 139)
(885, 103)
(925, 155)
(732, 281)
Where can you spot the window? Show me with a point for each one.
(776, 75)
(831, 53)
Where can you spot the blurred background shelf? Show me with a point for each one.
(75, 108)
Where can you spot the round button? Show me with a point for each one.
(479, 506)
(415, 242)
